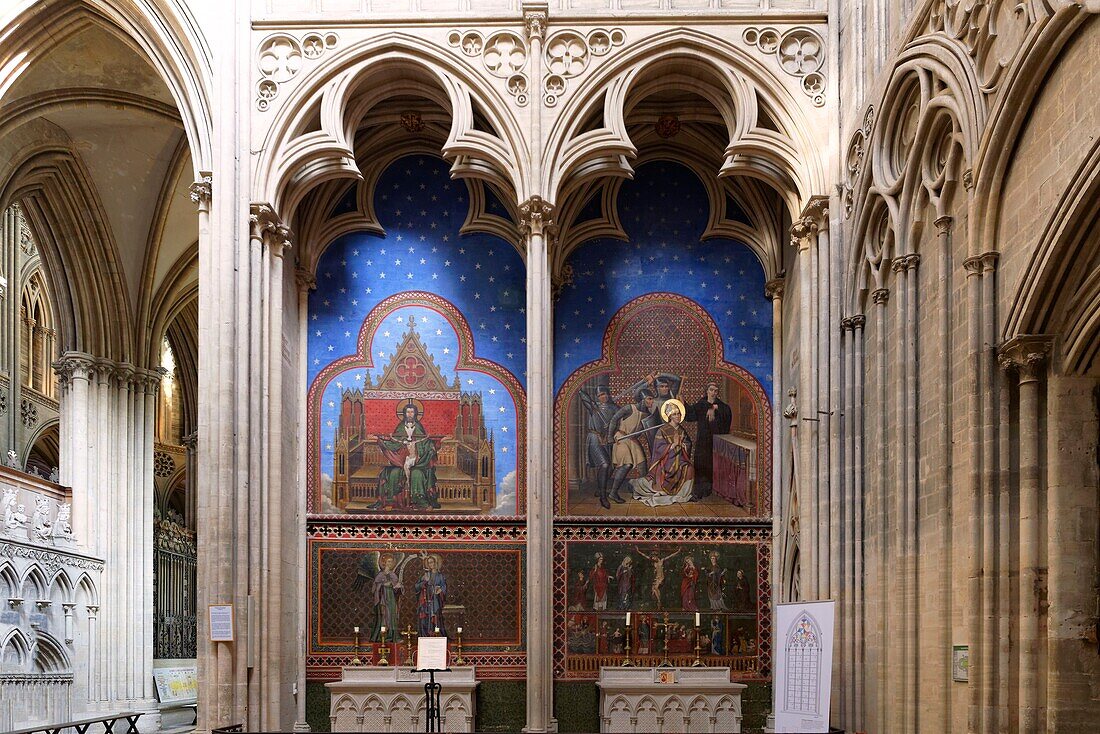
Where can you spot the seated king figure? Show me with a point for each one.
(411, 453)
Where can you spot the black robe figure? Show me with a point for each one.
(712, 417)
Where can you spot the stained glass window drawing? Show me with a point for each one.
(803, 650)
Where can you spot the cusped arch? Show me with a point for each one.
(9, 582)
(33, 586)
(752, 150)
(15, 652)
(296, 157)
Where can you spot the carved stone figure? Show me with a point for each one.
(62, 530)
(12, 460)
(55, 476)
(40, 520)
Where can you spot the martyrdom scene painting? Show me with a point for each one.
(416, 361)
(414, 589)
(663, 366)
(665, 587)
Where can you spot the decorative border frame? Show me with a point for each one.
(716, 350)
(758, 536)
(465, 360)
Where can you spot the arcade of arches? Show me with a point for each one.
(510, 318)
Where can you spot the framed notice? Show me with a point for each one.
(803, 666)
(221, 622)
(960, 663)
(431, 653)
(176, 684)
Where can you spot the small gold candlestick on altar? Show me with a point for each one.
(383, 654)
(355, 660)
(698, 647)
(459, 660)
(408, 634)
(627, 662)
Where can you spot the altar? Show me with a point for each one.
(391, 699)
(669, 700)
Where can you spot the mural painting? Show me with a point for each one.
(415, 588)
(416, 361)
(662, 366)
(664, 586)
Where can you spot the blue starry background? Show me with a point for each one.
(422, 209)
(663, 210)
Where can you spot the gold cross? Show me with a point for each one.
(408, 634)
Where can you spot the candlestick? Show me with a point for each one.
(355, 660)
(408, 634)
(383, 656)
(459, 660)
(627, 662)
(697, 619)
(698, 663)
(437, 631)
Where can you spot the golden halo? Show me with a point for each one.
(678, 404)
(402, 404)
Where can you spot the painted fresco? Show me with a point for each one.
(662, 367)
(663, 585)
(416, 586)
(416, 361)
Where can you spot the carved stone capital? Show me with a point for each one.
(858, 322)
(845, 324)
(305, 279)
(968, 179)
(261, 220)
(905, 262)
(191, 440)
(535, 17)
(1026, 354)
(973, 266)
(74, 366)
(880, 295)
(804, 233)
(774, 288)
(989, 261)
(944, 223)
(535, 215)
(817, 209)
(202, 190)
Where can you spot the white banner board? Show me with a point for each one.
(803, 666)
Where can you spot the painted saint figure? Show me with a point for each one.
(688, 584)
(431, 596)
(411, 453)
(716, 583)
(671, 474)
(385, 590)
(713, 418)
(578, 593)
(742, 593)
(624, 583)
(598, 579)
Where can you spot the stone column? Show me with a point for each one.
(773, 289)
(977, 671)
(804, 237)
(535, 216)
(306, 283)
(945, 446)
(190, 441)
(1027, 355)
(881, 297)
(856, 434)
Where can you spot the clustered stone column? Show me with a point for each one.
(107, 415)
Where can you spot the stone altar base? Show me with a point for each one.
(669, 700)
(375, 699)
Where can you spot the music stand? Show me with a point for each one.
(431, 658)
